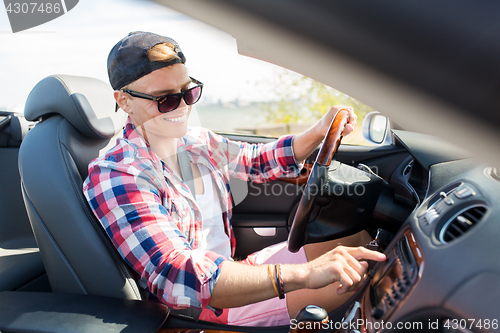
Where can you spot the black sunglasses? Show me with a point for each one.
(170, 102)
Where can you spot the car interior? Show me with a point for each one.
(21, 266)
(79, 270)
(431, 207)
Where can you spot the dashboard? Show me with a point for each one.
(442, 273)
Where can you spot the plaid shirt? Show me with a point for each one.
(152, 217)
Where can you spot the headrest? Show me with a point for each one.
(87, 103)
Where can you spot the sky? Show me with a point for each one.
(78, 43)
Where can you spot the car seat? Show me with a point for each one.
(77, 121)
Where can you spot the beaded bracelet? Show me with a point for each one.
(279, 281)
(270, 271)
(282, 286)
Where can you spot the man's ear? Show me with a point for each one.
(122, 100)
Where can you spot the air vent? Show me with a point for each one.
(407, 169)
(461, 223)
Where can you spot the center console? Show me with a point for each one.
(391, 283)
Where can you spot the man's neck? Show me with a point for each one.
(164, 148)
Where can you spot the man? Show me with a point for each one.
(161, 227)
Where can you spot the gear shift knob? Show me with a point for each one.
(309, 320)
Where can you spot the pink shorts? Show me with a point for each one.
(272, 312)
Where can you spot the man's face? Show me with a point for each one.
(166, 80)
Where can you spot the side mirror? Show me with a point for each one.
(377, 129)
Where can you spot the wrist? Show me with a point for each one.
(294, 277)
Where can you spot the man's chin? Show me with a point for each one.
(180, 133)
(177, 131)
(165, 128)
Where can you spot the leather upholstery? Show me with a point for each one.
(85, 102)
(78, 121)
(62, 313)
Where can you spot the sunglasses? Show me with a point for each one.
(170, 102)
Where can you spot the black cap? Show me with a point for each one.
(128, 59)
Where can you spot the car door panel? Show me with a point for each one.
(261, 218)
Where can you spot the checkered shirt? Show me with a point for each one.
(152, 217)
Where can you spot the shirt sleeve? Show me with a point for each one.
(256, 162)
(129, 206)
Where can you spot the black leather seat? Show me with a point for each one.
(78, 120)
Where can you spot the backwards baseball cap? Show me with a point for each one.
(128, 59)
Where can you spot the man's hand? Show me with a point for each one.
(241, 284)
(324, 123)
(305, 143)
(344, 264)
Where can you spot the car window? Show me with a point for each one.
(286, 103)
(241, 94)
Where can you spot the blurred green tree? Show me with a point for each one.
(301, 100)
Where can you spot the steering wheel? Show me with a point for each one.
(317, 179)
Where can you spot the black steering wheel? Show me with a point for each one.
(317, 179)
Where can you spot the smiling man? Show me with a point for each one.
(177, 237)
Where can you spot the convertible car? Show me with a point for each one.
(427, 189)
